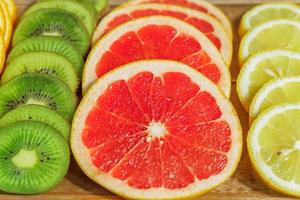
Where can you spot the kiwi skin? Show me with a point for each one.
(37, 113)
(53, 22)
(48, 63)
(38, 89)
(50, 44)
(76, 8)
(52, 158)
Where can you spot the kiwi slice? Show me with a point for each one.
(42, 62)
(38, 89)
(100, 5)
(34, 157)
(76, 8)
(51, 44)
(53, 22)
(37, 113)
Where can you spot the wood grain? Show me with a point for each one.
(241, 186)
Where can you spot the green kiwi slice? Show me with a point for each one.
(99, 5)
(37, 89)
(76, 8)
(48, 63)
(34, 157)
(37, 113)
(52, 44)
(53, 22)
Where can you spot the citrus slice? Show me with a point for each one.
(263, 67)
(2, 22)
(156, 37)
(266, 12)
(205, 23)
(277, 34)
(12, 10)
(8, 24)
(2, 53)
(277, 91)
(274, 148)
(200, 5)
(156, 130)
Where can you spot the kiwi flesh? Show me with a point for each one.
(37, 113)
(76, 8)
(34, 157)
(53, 22)
(99, 5)
(48, 63)
(50, 44)
(38, 89)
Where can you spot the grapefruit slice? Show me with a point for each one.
(156, 129)
(199, 5)
(205, 23)
(156, 37)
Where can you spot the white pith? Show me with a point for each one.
(259, 98)
(157, 67)
(244, 81)
(247, 39)
(254, 149)
(256, 10)
(219, 31)
(103, 45)
(212, 10)
(156, 130)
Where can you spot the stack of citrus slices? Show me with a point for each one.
(268, 86)
(8, 16)
(155, 121)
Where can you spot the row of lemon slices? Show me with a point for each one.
(268, 87)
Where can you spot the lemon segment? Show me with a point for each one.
(277, 34)
(277, 91)
(263, 67)
(266, 12)
(274, 148)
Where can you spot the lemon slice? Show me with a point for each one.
(8, 24)
(277, 91)
(274, 148)
(263, 67)
(278, 34)
(266, 12)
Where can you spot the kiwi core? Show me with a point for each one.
(55, 33)
(25, 159)
(35, 102)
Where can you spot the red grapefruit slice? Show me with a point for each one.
(156, 130)
(203, 22)
(199, 5)
(156, 37)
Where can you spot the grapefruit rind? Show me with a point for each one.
(212, 10)
(103, 45)
(219, 31)
(260, 168)
(81, 153)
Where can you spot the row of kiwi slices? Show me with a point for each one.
(39, 92)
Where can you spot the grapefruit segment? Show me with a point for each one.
(199, 5)
(156, 37)
(212, 28)
(178, 138)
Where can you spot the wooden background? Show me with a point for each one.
(242, 186)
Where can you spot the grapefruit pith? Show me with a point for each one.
(156, 37)
(205, 23)
(156, 129)
(200, 5)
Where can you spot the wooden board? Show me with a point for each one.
(241, 186)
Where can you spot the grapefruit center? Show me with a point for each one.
(156, 130)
